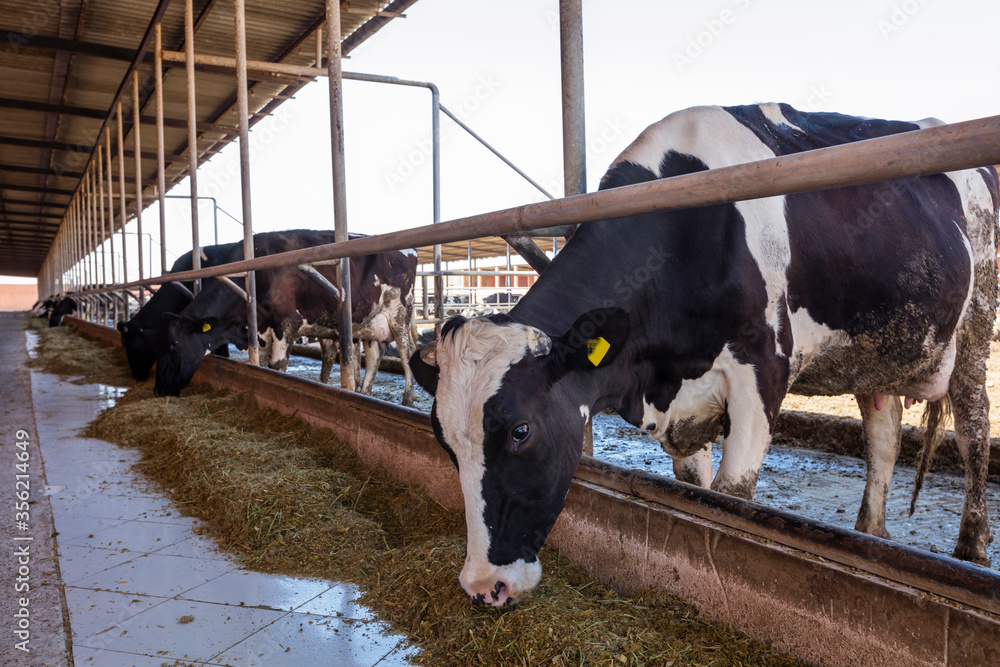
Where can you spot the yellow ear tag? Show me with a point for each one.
(596, 349)
(206, 327)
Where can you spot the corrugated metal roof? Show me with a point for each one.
(61, 66)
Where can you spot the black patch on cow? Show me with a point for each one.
(813, 130)
(626, 173)
(439, 433)
(452, 324)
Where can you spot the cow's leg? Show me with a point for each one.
(970, 407)
(278, 359)
(373, 355)
(403, 333)
(695, 469)
(882, 441)
(265, 342)
(744, 448)
(328, 355)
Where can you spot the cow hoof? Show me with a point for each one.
(972, 555)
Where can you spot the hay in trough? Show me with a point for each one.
(291, 499)
(63, 351)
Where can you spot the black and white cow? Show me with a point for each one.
(696, 323)
(137, 333)
(66, 306)
(292, 305)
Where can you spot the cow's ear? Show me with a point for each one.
(204, 325)
(121, 325)
(594, 341)
(424, 365)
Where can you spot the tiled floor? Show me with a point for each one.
(143, 588)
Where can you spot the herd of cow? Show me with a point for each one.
(689, 324)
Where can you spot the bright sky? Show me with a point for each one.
(497, 66)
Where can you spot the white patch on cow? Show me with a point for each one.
(926, 123)
(715, 137)
(728, 385)
(702, 398)
(977, 204)
(472, 361)
(812, 339)
(409, 252)
(585, 412)
(378, 329)
(773, 113)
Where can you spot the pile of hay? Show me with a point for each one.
(292, 499)
(63, 351)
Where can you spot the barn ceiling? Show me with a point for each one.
(63, 64)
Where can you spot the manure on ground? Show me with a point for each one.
(291, 499)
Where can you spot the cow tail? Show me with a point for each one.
(936, 414)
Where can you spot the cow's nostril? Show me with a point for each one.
(498, 588)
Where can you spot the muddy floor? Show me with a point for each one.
(816, 484)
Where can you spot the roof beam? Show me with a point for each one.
(16, 40)
(42, 172)
(29, 202)
(45, 107)
(37, 143)
(101, 114)
(26, 214)
(31, 188)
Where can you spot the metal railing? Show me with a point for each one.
(965, 145)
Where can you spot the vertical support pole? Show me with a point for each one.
(339, 189)
(436, 185)
(136, 140)
(104, 229)
(123, 214)
(111, 219)
(91, 255)
(243, 112)
(574, 127)
(161, 177)
(192, 120)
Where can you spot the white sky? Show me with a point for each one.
(497, 66)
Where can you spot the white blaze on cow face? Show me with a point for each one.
(473, 360)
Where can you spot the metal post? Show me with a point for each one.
(104, 228)
(192, 119)
(574, 128)
(138, 177)
(88, 216)
(436, 184)
(339, 189)
(121, 204)
(111, 219)
(161, 177)
(243, 112)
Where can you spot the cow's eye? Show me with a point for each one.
(520, 433)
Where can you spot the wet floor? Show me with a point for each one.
(822, 486)
(145, 586)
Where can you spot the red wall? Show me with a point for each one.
(17, 297)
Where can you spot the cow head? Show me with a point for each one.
(180, 344)
(138, 344)
(510, 405)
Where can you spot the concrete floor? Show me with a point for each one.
(137, 583)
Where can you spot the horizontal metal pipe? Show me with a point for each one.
(476, 273)
(963, 145)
